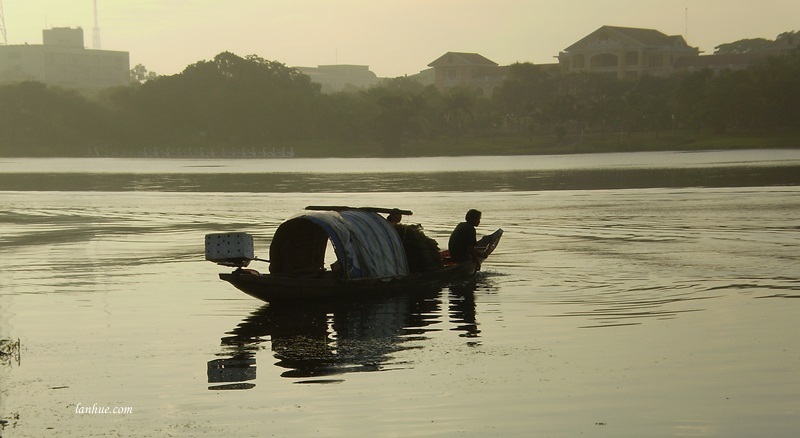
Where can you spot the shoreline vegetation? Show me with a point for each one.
(501, 145)
(234, 107)
(593, 143)
(507, 145)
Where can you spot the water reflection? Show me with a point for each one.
(463, 310)
(311, 182)
(317, 342)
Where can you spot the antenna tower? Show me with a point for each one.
(686, 24)
(3, 25)
(95, 30)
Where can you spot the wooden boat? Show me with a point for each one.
(370, 257)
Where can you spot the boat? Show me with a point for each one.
(371, 257)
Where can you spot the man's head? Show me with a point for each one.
(395, 217)
(474, 217)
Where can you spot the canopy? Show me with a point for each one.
(366, 245)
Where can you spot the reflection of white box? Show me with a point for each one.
(229, 248)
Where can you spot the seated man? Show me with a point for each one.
(394, 217)
(462, 241)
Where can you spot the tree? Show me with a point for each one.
(648, 104)
(690, 95)
(139, 74)
(524, 95)
(227, 101)
(38, 120)
(747, 45)
(459, 110)
(776, 92)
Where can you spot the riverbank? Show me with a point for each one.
(571, 144)
(484, 145)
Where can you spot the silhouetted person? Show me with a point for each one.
(463, 239)
(394, 217)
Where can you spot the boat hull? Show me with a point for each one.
(281, 288)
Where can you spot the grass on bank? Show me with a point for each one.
(541, 144)
(550, 144)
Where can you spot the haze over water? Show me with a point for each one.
(631, 295)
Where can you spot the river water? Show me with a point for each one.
(640, 294)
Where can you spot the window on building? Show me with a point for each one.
(604, 60)
(631, 58)
(656, 61)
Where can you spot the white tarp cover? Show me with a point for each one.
(365, 243)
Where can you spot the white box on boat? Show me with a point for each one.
(229, 247)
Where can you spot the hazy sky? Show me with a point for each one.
(393, 37)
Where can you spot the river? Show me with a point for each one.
(638, 294)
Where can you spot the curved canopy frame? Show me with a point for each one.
(366, 245)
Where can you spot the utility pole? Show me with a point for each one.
(3, 25)
(95, 30)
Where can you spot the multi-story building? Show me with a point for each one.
(338, 77)
(467, 69)
(63, 61)
(626, 53)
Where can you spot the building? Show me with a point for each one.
(718, 63)
(454, 69)
(425, 77)
(740, 58)
(63, 61)
(626, 53)
(786, 43)
(334, 78)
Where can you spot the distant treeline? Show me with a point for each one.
(233, 104)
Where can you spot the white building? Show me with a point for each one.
(63, 61)
(335, 78)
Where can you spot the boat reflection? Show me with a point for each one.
(462, 310)
(318, 343)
